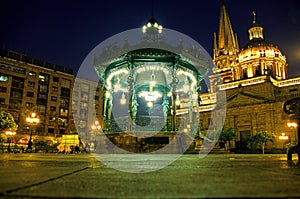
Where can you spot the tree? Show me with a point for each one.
(259, 140)
(7, 121)
(227, 134)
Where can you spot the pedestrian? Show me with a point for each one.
(77, 149)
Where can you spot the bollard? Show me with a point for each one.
(292, 108)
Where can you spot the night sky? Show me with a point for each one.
(64, 32)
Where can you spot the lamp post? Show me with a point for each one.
(283, 138)
(32, 120)
(96, 128)
(9, 133)
(292, 108)
(293, 125)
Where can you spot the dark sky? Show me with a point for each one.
(64, 32)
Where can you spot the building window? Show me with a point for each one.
(17, 82)
(61, 131)
(52, 108)
(43, 78)
(41, 108)
(43, 88)
(31, 84)
(30, 94)
(55, 79)
(62, 122)
(54, 89)
(64, 102)
(3, 78)
(29, 105)
(3, 89)
(83, 105)
(65, 92)
(66, 83)
(53, 98)
(2, 101)
(51, 119)
(31, 73)
(82, 124)
(15, 93)
(74, 103)
(84, 97)
(42, 96)
(50, 130)
(85, 87)
(63, 112)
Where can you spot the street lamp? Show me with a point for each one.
(293, 125)
(9, 133)
(283, 138)
(32, 120)
(95, 130)
(96, 126)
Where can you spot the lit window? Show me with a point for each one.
(31, 73)
(3, 78)
(54, 89)
(63, 112)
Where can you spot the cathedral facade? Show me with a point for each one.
(255, 81)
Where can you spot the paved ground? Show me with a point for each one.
(214, 176)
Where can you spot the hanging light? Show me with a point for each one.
(153, 25)
(186, 86)
(152, 82)
(149, 104)
(123, 99)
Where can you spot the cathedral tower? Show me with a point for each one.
(226, 50)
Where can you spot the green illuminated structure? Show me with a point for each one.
(151, 88)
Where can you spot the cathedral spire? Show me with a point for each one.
(226, 40)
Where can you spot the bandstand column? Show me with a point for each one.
(190, 109)
(105, 104)
(134, 108)
(131, 92)
(109, 106)
(173, 85)
(165, 108)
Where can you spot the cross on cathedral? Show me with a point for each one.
(254, 16)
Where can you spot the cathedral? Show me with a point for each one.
(255, 85)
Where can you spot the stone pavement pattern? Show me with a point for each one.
(214, 176)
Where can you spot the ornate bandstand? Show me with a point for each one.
(153, 86)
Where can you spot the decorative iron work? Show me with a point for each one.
(292, 108)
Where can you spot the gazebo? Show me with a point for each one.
(153, 86)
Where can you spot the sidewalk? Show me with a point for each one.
(214, 176)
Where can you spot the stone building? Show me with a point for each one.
(254, 80)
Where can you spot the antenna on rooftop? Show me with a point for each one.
(152, 9)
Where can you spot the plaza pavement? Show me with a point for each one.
(190, 176)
